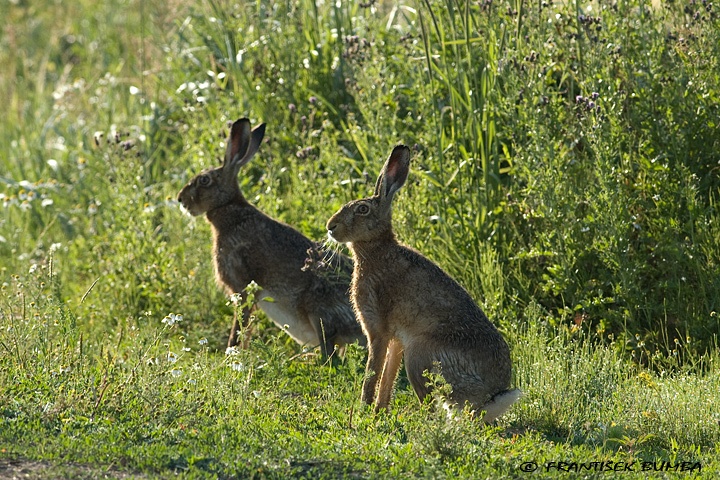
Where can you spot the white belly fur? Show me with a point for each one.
(285, 318)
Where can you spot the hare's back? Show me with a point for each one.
(426, 284)
(252, 246)
(426, 301)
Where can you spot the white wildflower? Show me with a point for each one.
(237, 366)
(235, 298)
(171, 319)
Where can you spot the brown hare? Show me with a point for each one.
(312, 306)
(405, 302)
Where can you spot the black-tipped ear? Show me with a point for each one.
(394, 173)
(238, 142)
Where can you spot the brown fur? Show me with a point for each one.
(309, 304)
(407, 303)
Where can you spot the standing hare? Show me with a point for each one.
(310, 305)
(405, 302)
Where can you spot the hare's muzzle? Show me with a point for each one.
(331, 224)
(185, 198)
(332, 229)
(181, 198)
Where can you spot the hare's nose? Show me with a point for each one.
(331, 226)
(184, 199)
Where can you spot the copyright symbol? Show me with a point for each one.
(528, 466)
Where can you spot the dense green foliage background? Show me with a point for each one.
(565, 171)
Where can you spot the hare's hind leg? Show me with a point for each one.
(389, 373)
(417, 362)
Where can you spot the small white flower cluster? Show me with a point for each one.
(61, 371)
(201, 90)
(171, 319)
(28, 194)
(235, 365)
(235, 299)
(173, 357)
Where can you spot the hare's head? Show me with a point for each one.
(371, 218)
(216, 187)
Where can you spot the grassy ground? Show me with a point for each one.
(565, 171)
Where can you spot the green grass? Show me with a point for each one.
(565, 171)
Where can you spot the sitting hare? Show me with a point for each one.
(405, 302)
(312, 306)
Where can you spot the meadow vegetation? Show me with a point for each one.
(566, 171)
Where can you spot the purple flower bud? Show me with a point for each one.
(579, 99)
(594, 95)
(313, 100)
(292, 108)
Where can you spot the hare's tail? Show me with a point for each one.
(500, 403)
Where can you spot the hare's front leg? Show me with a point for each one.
(377, 350)
(389, 373)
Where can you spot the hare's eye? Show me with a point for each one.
(362, 209)
(204, 180)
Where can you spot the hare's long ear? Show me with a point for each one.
(394, 173)
(238, 142)
(242, 144)
(256, 137)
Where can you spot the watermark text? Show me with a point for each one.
(610, 466)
